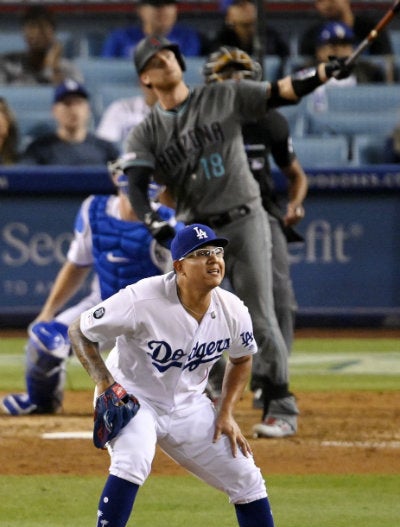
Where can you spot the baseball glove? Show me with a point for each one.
(221, 63)
(114, 409)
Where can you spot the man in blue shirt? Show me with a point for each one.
(157, 17)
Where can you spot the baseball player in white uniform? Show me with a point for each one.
(169, 331)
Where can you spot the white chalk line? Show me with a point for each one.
(336, 444)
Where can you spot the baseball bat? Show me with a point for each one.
(374, 33)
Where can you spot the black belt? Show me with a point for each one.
(219, 220)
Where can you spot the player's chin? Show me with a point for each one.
(215, 277)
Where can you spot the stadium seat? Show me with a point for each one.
(322, 151)
(272, 68)
(91, 44)
(351, 123)
(363, 98)
(32, 124)
(107, 93)
(14, 41)
(394, 35)
(97, 70)
(369, 150)
(296, 117)
(24, 98)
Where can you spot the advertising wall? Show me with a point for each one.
(347, 267)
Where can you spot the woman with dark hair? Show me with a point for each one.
(8, 135)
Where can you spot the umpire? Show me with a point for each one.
(192, 143)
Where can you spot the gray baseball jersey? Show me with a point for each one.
(197, 149)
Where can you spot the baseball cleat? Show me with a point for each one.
(18, 404)
(273, 427)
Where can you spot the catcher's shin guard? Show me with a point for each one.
(46, 352)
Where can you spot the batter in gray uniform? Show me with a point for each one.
(192, 143)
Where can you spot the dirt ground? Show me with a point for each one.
(339, 433)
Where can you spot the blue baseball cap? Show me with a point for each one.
(69, 87)
(193, 237)
(335, 33)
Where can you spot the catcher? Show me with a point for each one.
(109, 238)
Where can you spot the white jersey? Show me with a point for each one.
(120, 117)
(166, 359)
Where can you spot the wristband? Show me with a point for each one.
(306, 81)
(275, 99)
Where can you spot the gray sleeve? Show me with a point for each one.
(251, 99)
(138, 146)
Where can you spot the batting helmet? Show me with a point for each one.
(221, 65)
(151, 45)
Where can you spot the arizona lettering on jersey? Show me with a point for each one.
(194, 140)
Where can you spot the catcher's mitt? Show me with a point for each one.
(114, 409)
(222, 64)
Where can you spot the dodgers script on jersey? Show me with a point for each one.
(169, 362)
(198, 147)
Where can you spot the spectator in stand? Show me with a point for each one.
(123, 114)
(239, 31)
(71, 143)
(156, 17)
(337, 39)
(42, 62)
(8, 135)
(340, 11)
(392, 147)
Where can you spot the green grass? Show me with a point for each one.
(316, 365)
(297, 501)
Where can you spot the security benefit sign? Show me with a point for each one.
(35, 236)
(350, 260)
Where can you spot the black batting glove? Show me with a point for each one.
(160, 229)
(337, 68)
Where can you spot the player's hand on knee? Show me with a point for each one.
(229, 427)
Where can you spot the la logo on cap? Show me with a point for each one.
(200, 233)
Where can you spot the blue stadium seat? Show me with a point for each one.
(14, 41)
(351, 123)
(107, 93)
(25, 98)
(322, 151)
(369, 150)
(272, 67)
(97, 71)
(363, 98)
(296, 117)
(394, 35)
(32, 124)
(91, 44)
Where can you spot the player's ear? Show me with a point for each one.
(177, 266)
(144, 78)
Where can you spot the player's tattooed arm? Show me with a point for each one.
(235, 380)
(89, 355)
